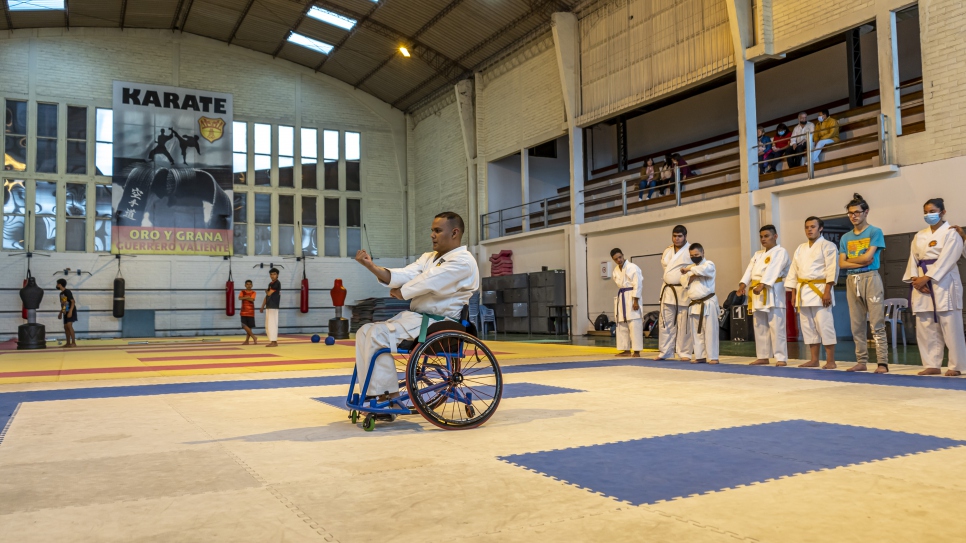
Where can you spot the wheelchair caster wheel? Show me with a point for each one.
(369, 423)
(354, 416)
(470, 412)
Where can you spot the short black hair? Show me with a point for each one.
(248, 281)
(821, 223)
(781, 126)
(451, 216)
(857, 201)
(62, 282)
(696, 246)
(824, 111)
(273, 270)
(615, 251)
(938, 202)
(680, 229)
(769, 227)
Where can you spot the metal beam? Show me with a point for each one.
(177, 15)
(241, 19)
(67, 14)
(123, 12)
(537, 8)
(184, 20)
(6, 13)
(308, 6)
(349, 34)
(853, 51)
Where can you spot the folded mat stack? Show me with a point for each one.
(376, 310)
(501, 263)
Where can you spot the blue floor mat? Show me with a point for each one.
(669, 467)
(510, 390)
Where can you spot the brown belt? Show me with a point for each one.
(701, 316)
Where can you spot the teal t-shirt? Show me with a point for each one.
(853, 245)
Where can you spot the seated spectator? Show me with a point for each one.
(679, 161)
(826, 133)
(799, 141)
(667, 174)
(779, 146)
(764, 150)
(648, 179)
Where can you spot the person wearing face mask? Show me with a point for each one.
(826, 133)
(937, 292)
(779, 146)
(765, 277)
(698, 279)
(798, 144)
(627, 305)
(764, 150)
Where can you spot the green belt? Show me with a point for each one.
(425, 324)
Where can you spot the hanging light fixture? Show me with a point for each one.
(404, 51)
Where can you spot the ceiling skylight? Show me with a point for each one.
(333, 19)
(309, 43)
(36, 5)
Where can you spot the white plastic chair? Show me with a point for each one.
(486, 315)
(893, 317)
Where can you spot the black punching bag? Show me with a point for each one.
(118, 297)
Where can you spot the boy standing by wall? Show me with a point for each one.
(68, 312)
(272, 298)
(247, 298)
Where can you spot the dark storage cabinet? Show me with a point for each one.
(522, 301)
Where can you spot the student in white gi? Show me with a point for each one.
(438, 283)
(627, 305)
(765, 276)
(937, 292)
(814, 270)
(698, 279)
(673, 333)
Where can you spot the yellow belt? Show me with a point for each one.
(811, 284)
(764, 294)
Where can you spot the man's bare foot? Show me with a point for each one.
(780, 363)
(636, 354)
(829, 366)
(272, 344)
(685, 359)
(953, 373)
(759, 362)
(623, 353)
(255, 340)
(857, 367)
(882, 368)
(700, 361)
(245, 342)
(71, 344)
(930, 371)
(660, 359)
(809, 364)
(712, 361)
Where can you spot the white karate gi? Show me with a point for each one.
(814, 266)
(705, 342)
(434, 286)
(768, 268)
(940, 324)
(673, 319)
(630, 324)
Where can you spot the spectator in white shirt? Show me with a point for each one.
(799, 142)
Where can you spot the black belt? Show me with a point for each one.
(675, 292)
(701, 316)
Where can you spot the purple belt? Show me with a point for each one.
(623, 302)
(922, 266)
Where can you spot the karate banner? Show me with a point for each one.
(172, 171)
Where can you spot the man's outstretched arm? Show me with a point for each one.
(381, 273)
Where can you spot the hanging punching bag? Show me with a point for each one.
(304, 295)
(23, 312)
(229, 296)
(118, 297)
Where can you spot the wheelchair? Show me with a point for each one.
(451, 379)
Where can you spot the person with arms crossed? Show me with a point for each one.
(765, 276)
(937, 292)
(859, 252)
(438, 284)
(273, 298)
(627, 305)
(247, 298)
(673, 336)
(698, 279)
(813, 273)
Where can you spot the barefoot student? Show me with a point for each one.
(698, 279)
(673, 336)
(68, 311)
(766, 301)
(273, 295)
(937, 292)
(247, 298)
(859, 252)
(627, 305)
(814, 270)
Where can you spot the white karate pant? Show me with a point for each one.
(271, 324)
(933, 336)
(630, 335)
(673, 336)
(817, 325)
(369, 339)
(817, 149)
(770, 339)
(705, 343)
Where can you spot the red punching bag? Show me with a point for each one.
(304, 296)
(229, 296)
(23, 311)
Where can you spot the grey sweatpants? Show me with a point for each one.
(866, 296)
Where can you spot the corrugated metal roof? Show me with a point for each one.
(465, 32)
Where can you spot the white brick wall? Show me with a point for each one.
(791, 17)
(13, 60)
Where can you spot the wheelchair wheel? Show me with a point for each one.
(454, 381)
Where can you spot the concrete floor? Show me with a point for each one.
(254, 457)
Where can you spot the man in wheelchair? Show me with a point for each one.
(438, 285)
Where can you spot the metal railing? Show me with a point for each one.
(495, 223)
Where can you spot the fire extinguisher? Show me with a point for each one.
(304, 297)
